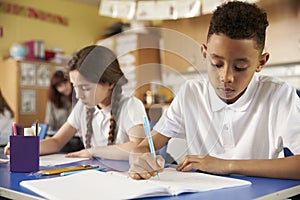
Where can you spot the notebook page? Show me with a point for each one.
(57, 159)
(92, 184)
(179, 182)
(175, 182)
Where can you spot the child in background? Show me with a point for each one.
(6, 120)
(236, 122)
(59, 107)
(110, 124)
(59, 104)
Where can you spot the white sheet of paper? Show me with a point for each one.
(57, 159)
(90, 184)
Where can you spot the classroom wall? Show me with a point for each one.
(84, 27)
(282, 41)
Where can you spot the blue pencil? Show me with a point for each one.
(77, 171)
(149, 137)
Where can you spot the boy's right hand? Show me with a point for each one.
(7, 149)
(144, 166)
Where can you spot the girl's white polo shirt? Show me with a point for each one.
(131, 114)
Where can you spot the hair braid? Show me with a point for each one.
(89, 127)
(116, 96)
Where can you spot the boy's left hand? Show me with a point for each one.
(204, 163)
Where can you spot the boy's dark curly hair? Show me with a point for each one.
(240, 20)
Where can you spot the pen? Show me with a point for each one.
(15, 132)
(36, 128)
(149, 137)
(77, 171)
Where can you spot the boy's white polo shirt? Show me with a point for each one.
(257, 126)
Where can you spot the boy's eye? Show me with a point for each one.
(239, 69)
(216, 65)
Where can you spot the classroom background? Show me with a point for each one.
(157, 52)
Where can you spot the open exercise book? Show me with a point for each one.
(93, 184)
(57, 159)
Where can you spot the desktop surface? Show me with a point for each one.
(278, 188)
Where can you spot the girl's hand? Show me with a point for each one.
(7, 149)
(205, 163)
(84, 153)
(144, 166)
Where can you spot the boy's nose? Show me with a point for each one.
(226, 75)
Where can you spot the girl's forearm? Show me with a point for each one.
(49, 146)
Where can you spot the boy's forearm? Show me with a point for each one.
(286, 168)
(158, 141)
(143, 147)
(114, 152)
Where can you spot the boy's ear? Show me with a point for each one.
(203, 50)
(263, 60)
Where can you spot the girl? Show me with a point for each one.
(6, 120)
(109, 124)
(59, 104)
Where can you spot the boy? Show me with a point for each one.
(237, 122)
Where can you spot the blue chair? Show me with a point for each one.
(43, 131)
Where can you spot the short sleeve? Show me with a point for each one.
(75, 117)
(171, 124)
(292, 137)
(131, 113)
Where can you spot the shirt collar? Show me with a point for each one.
(105, 111)
(240, 105)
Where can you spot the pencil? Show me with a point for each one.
(77, 171)
(15, 130)
(149, 137)
(36, 128)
